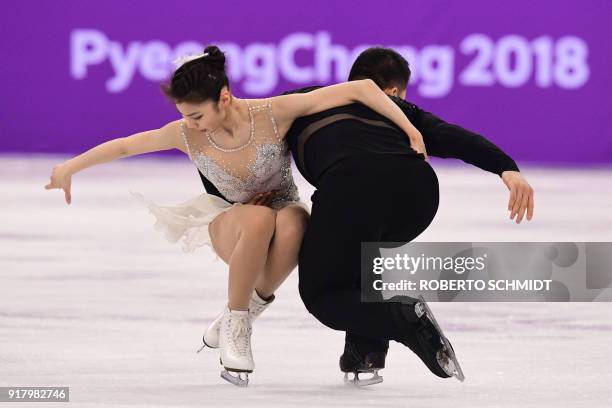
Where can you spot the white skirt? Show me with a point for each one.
(188, 221)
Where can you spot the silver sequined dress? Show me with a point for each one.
(263, 164)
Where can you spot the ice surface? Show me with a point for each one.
(92, 298)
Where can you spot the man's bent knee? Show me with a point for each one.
(320, 311)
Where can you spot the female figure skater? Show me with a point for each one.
(239, 145)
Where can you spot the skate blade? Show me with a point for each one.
(361, 382)
(237, 379)
(457, 372)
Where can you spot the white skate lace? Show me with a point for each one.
(240, 332)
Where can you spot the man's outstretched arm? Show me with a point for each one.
(446, 140)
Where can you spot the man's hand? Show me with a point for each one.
(264, 199)
(61, 177)
(521, 195)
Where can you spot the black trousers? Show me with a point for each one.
(370, 198)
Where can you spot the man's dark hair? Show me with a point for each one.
(386, 67)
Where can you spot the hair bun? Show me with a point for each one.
(215, 57)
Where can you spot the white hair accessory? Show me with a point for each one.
(183, 59)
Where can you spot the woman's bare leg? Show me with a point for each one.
(291, 224)
(241, 237)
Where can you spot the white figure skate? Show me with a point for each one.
(235, 345)
(211, 336)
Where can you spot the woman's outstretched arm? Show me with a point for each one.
(289, 107)
(164, 138)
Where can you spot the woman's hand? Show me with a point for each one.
(417, 143)
(61, 177)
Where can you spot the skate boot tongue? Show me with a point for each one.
(259, 304)
(261, 300)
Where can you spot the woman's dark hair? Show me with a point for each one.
(199, 80)
(384, 66)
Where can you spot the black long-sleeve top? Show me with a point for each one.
(349, 137)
